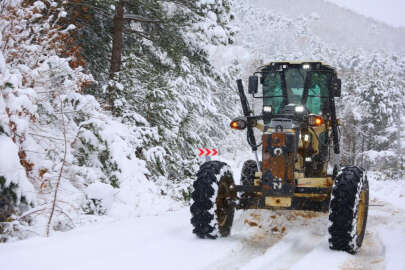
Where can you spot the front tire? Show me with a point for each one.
(248, 173)
(348, 210)
(213, 210)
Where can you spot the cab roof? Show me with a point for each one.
(313, 64)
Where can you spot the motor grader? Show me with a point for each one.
(299, 167)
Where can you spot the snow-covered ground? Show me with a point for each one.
(260, 239)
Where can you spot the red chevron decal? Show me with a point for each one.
(201, 152)
(214, 152)
(207, 152)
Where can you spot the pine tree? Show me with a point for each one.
(164, 73)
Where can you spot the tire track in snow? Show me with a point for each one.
(373, 253)
(304, 244)
(260, 230)
(254, 240)
(305, 232)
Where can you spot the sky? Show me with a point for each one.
(389, 11)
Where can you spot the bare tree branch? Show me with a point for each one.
(60, 210)
(31, 213)
(55, 196)
(43, 136)
(138, 18)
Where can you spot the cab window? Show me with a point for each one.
(272, 91)
(317, 100)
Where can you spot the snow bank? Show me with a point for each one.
(12, 171)
(392, 191)
(63, 137)
(10, 167)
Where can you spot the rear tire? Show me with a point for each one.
(348, 210)
(212, 209)
(248, 173)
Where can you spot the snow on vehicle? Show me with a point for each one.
(299, 129)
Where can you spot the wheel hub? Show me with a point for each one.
(361, 212)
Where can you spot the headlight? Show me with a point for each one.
(267, 109)
(315, 120)
(299, 109)
(306, 66)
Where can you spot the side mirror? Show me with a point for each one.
(253, 84)
(337, 87)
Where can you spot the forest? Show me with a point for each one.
(104, 103)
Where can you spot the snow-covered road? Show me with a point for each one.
(260, 240)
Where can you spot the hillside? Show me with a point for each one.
(388, 12)
(340, 27)
(105, 104)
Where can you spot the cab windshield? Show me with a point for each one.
(281, 88)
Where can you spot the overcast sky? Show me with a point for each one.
(388, 11)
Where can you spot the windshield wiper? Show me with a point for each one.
(306, 87)
(284, 88)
